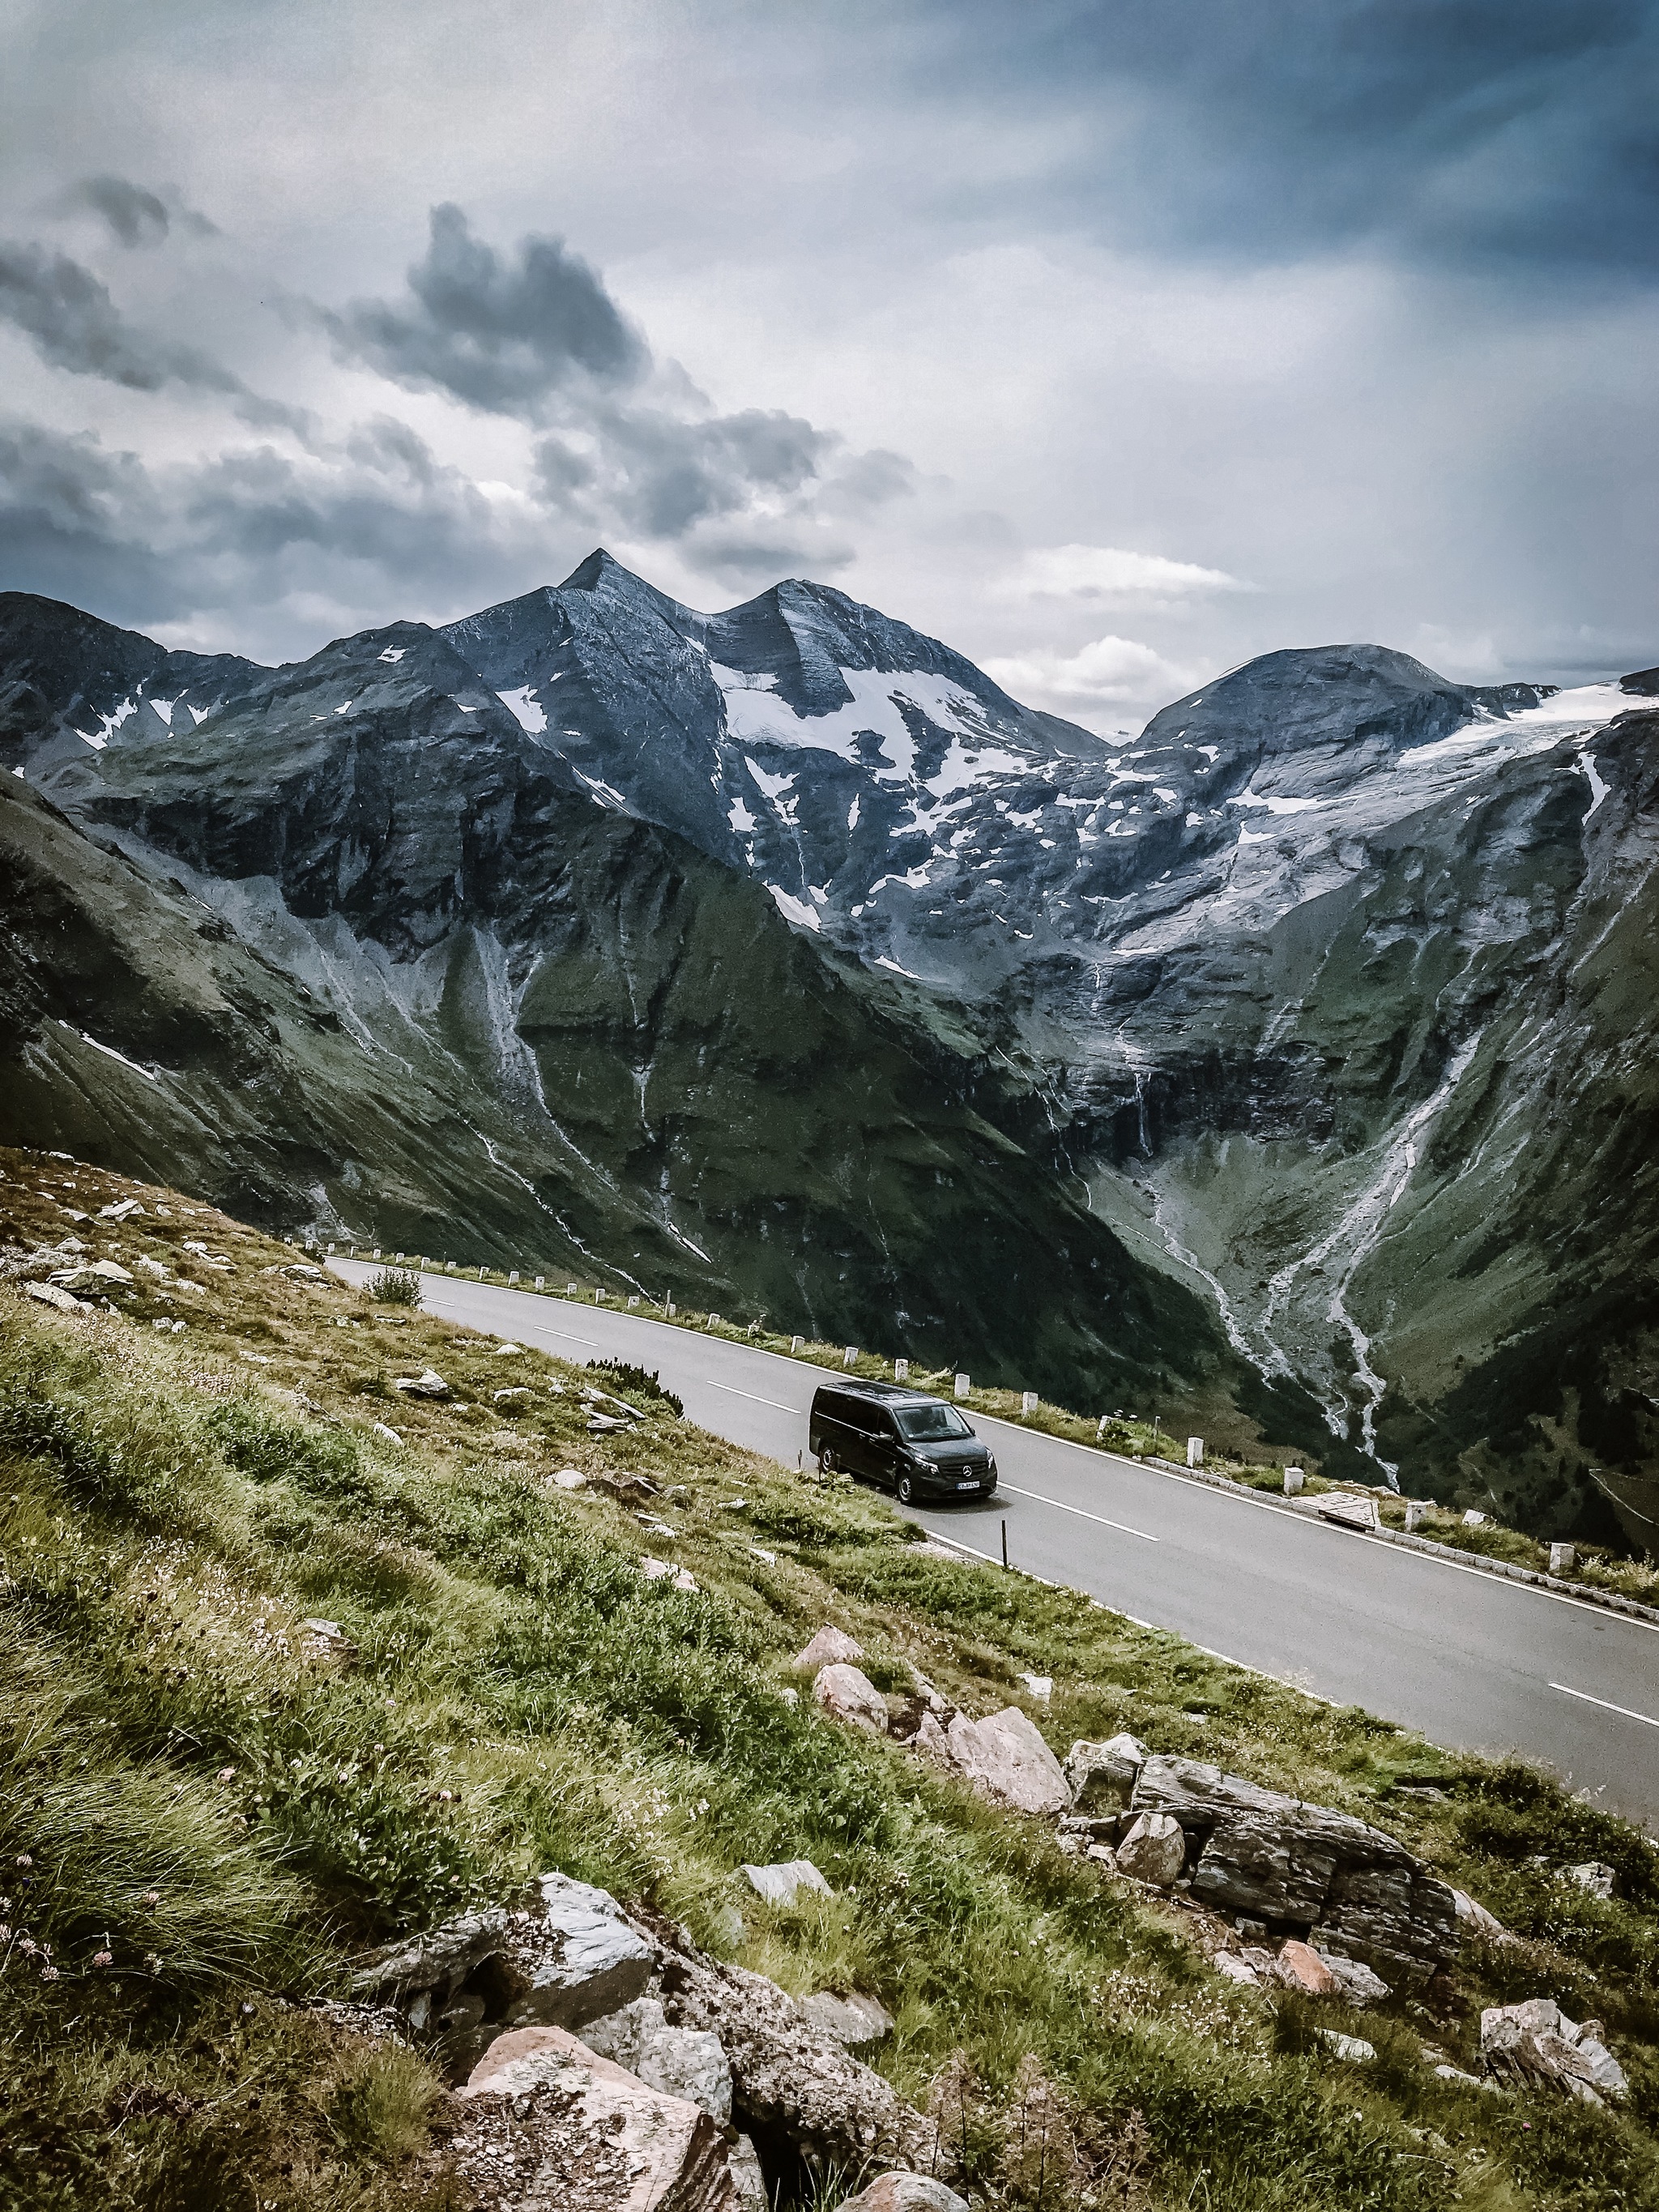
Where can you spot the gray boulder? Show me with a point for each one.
(682, 2062)
(905, 2192)
(1154, 1850)
(847, 1694)
(1102, 1776)
(789, 2078)
(1007, 1759)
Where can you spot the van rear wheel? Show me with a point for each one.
(826, 1461)
(905, 1488)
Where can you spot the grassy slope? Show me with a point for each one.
(229, 1808)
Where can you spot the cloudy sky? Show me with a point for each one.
(1112, 343)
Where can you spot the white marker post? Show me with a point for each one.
(901, 1368)
(962, 1386)
(1028, 1402)
(1194, 1451)
(850, 1358)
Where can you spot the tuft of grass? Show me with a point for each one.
(382, 2106)
(395, 1287)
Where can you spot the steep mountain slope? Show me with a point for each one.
(377, 961)
(1275, 958)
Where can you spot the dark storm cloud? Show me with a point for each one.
(662, 474)
(389, 526)
(136, 216)
(501, 334)
(77, 326)
(1522, 132)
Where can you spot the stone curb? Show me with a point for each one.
(1308, 1507)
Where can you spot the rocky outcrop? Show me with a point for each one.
(1303, 1867)
(1534, 2045)
(568, 1957)
(554, 2127)
(905, 2192)
(681, 2062)
(789, 2080)
(1154, 1849)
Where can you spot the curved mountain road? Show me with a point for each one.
(1473, 1662)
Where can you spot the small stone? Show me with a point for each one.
(1353, 2050)
(831, 1647)
(386, 1436)
(905, 2192)
(782, 1883)
(1591, 1876)
(1041, 1686)
(428, 1384)
(1475, 1920)
(1154, 1850)
(49, 1294)
(852, 2019)
(570, 1478)
(1299, 1967)
(1357, 1983)
(847, 1695)
(1101, 1775)
(1235, 1969)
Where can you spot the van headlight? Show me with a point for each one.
(927, 1466)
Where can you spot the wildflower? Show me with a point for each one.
(24, 1860)
(49, 1973)
(226, 1774)
(103, 1957)
(151, 1898)
(152, 1962)
(27, 1946)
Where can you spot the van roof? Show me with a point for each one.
(889, 1393)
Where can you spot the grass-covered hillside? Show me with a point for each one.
(210, 1806)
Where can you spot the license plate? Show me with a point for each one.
(968, 1486)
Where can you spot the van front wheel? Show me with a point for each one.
(905, 1488)
(826, 1461)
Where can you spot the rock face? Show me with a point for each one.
(1533, 2044)
(847, 1695)
(557, 2128)
(1304, 1867)
(1004, 1757)
(571, 1958)
(681, 2062)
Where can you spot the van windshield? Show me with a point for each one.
(923, 1422)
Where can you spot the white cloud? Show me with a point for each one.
(1112, 672)
(1111, 572)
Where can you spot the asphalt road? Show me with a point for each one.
(1473, 1662)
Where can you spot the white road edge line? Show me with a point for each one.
(1624, 1711)
(776, 1404)
(1169, 1475)
(1060, 1506)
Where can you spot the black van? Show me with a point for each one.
(918, 1446)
